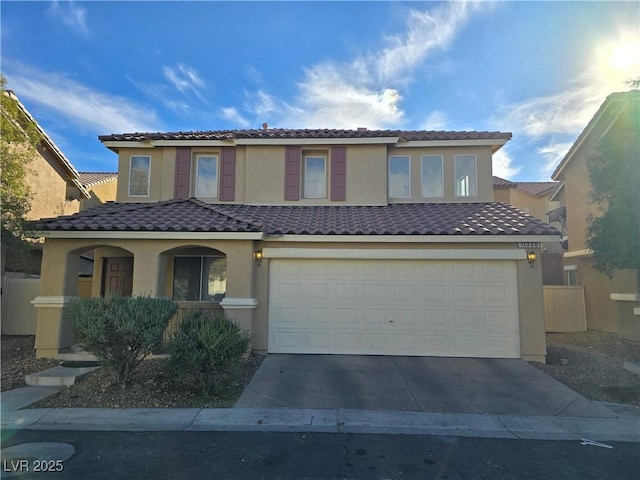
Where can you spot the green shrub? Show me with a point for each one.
(205, 343)
(120, 331)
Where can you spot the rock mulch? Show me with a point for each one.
(18, 359)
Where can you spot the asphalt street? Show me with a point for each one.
(265, 455)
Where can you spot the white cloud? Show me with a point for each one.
(184, 78)
(71, 15)
(366, 91)
(435, 121)
(232, 114)
(552, 154)
(503, 165)
(82, 105)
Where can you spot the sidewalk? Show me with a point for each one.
(622, 428)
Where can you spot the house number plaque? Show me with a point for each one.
(528, 244)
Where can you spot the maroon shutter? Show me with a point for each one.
(339, 173)
(293, 157)
(227, 173)
(183, 171)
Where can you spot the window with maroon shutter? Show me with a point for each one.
(227, 174)
(183, 172)
(293, 156)
(339, 173)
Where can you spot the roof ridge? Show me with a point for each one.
(218, 208)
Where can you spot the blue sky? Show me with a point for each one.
(537, 69)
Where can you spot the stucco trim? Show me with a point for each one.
(316, 141)
(53, 301)
(395, 254)
(239, 303)
(412, 238)
(453, 143)
(145, 235)
(625, 297)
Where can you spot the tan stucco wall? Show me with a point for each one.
(601, 311)
(502, 195)
(533, 345)
(483, 169)
(101, 193)
(48, 183)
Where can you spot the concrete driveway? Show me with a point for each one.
(423, 384)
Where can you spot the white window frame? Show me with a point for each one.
(148, 157)
(197, 162)
(305, 192)
(571, 275)
(423, 187)
(408, 159)
(471, 189)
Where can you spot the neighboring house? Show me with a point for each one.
(609, 302)
(534, 198)
(102, 186)
(55, 185)
(316, 241)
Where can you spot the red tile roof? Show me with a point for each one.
(499, 182)
(281, 133)
(193, 215)
(537, 188)
(90, 179)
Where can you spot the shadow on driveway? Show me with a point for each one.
(422, 384)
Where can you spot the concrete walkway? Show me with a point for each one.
(623, 427)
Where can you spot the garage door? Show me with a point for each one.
(464, 308)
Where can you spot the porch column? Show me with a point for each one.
(58, 285)
(146, 271)
(240, 300)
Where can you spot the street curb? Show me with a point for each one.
(621, 429)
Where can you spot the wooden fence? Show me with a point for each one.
(564, 308)
(18, 315)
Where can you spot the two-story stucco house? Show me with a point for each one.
(316, 241)
(610, 302)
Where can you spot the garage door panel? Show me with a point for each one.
(393, 307)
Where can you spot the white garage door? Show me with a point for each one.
(465, 308)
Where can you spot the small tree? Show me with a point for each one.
(120, 331)
(204, 344)
(19, 139)
(614, 171)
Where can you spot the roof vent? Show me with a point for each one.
(265, 126)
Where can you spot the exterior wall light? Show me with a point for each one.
(531, 257)
(258, 256)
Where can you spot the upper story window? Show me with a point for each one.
(206, 176)
(466, 177)
(139, 176)
(432, 176)
(399, 176)
(315, 177)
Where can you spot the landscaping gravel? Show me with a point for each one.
(591, 363)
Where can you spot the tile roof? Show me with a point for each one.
(90, 179)
(499, 182)
(281, 133)
(537, 188)
(192, 215)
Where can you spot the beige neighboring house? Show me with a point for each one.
(102, 186)
(377, 242)
(610, 303)
(534, 198)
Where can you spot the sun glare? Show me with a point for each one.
(619, 61)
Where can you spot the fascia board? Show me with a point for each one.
(145, 235)
(453, 143)
(413, 238)
(316, 141)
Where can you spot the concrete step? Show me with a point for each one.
(58, 376)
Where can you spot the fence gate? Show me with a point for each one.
(564, 309)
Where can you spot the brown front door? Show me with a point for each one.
(118, 278)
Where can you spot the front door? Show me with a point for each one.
(118, 277)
